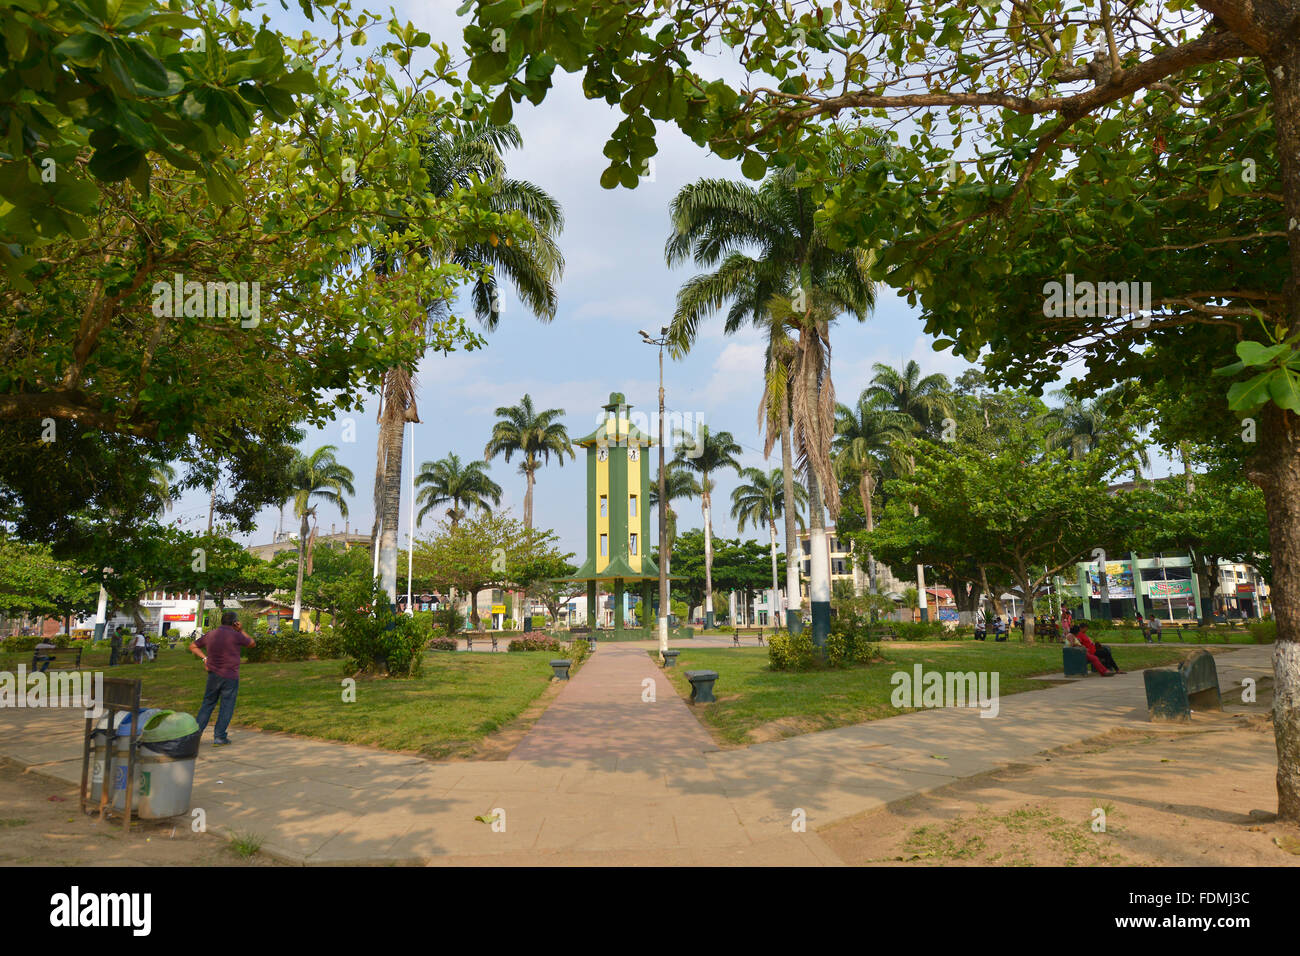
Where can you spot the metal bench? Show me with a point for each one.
(57, 654)
(1172, 691)
(489, 635)
(740, 632)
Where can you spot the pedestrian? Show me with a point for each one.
(1145, 627)
(221, 661)
(115, 648)
(138, 645)
(999, 628)
(1156, 625)
(981, 624)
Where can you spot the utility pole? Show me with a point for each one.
(664, 602)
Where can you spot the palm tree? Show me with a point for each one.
(469, 154)
(1084, 426)
(706, 453)
(535, 436)
(163, 478)
(448, 482)
(316, 477)
(714, 223)
(922, 403)
(867, 436)
(678, 484)
(760, 499)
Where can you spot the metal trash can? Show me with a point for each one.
(99, 738)
(164, 764)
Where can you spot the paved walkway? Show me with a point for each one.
(616, 802)
(618, 704)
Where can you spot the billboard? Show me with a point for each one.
(1119, 580)
(1166, 589)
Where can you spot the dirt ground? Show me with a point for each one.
(1198, 794)
(41, 825)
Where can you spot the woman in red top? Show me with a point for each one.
(1090, 649)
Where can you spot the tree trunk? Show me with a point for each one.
(776, 587)
(392, 434)
(819, 571)
(302, 564)
(792, 552)
(865, 488)
(707, 507)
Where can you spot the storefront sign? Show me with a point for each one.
(1164, 589)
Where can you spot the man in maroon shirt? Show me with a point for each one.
(221, 660)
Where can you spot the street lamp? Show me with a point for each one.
(648, 339)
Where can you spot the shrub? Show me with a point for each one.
(1264, 632)
(920, 631)
(375, 637)
(327, 645)
(536, 644)
(449, 621)
(443, 644)
(790, 652)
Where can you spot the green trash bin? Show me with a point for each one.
(164, 764)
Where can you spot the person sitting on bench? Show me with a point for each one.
(1081, 638)
(41, 656)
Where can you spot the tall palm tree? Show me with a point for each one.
(163, 478)
(1084, 426)
(448, 482)
(867, 436)
(679, 484)
(468, 154)
(317, 477)
(534, 436)
(718, 223)
(760, 500)
(922, 403)
(706, 453)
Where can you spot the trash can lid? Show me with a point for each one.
(172, 726)
(148, 717)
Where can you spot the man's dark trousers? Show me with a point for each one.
(223, 689)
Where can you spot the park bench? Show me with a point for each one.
(1172, 691)
(56, 655)
(740, 632)
(702, 686)
(489, 636)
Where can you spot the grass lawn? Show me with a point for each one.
(460, 698)
(756, 703)
(1176, 635)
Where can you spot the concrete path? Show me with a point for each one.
(619, 802)
(618, 704)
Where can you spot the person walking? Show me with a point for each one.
(1156, 625)
(115, 648)
(138, 646)
(221, 661)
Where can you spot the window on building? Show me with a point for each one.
(806, 545)
(632, 542)
(604, 543)
(604, 506)
(631, 506)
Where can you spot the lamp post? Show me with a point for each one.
(663, 495)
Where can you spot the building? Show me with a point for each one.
(1164, 586)
(841, 565)
(287, 542)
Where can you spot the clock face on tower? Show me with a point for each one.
(634, 453)
(602, 454)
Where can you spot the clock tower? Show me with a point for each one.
(618, 513)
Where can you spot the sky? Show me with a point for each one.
(615, 283)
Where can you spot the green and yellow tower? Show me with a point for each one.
(618, 515)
